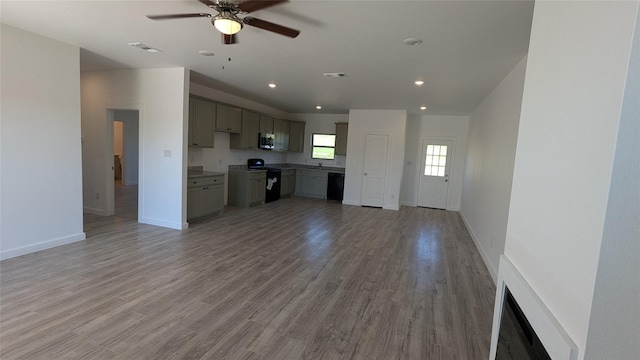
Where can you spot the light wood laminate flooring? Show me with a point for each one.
(293, 279)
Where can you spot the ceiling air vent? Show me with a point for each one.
(144, 47)
(334, 75)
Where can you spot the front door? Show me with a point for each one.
(375, 169)
(434, 175)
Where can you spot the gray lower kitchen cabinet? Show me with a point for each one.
(248, 136)
(228, 118)
(311, 183)
(202, 118)
(247, 188)
(296, 136)
(288, 185)
(205, 197)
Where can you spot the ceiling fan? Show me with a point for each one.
(228, 22)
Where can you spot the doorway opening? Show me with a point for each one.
(125, 169)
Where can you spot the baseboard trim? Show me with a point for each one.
(349, 202)
(165, 224)
(7, 254)
(93, 211)
(485, 258)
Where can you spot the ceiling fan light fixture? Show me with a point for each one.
(227, 23)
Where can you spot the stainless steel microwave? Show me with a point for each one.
(267, 141)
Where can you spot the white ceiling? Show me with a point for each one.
(468, 48)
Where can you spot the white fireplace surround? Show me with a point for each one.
(552, 335)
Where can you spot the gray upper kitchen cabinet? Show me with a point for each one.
(266, 124)
(248, 136)
(202, 117)
(228, 118)
(296, 136)
(281, 131)
(342, 130)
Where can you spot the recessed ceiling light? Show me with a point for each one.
(272, 85)
(144, 47)
(318, 107)
(419, 82)
(412, 41)
(206, 53)
(423, 108)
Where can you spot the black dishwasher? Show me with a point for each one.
(335, 186)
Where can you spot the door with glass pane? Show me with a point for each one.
(434, 173)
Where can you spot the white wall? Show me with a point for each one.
(614, 323)
(434, 127)
(161, 98)
(317, 123)
(40, 165)
(491, 148)
(574, 83)
(362, 122)
(118, 134)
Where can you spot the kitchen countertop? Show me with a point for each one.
(197, 172)
(290, 167)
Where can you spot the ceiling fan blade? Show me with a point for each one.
(177, 16)
(269, 26)
(229, 39)
(208, 3)
(255, 5)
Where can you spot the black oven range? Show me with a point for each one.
(274, 175)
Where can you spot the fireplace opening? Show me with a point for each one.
(516, 338)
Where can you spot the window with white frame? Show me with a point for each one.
(323, 146)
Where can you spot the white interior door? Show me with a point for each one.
(434, 175)
(375, 169)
